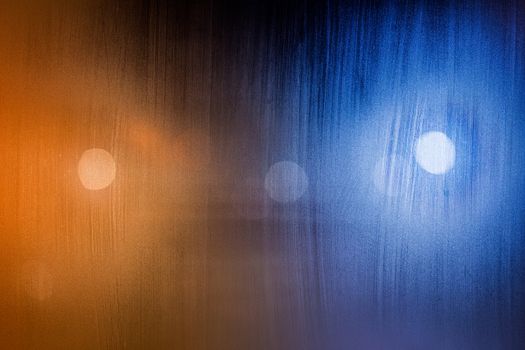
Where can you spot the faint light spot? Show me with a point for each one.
(435, 152)
(390, 174)
(37, 280)
(285, 182)
(96, 169)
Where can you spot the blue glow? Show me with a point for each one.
(420, 241)
(420, 77)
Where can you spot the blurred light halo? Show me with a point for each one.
(96, 169)
(435, 153)
(286, 182)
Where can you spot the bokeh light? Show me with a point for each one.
(435, 152)
(96, 169)
(286, 182)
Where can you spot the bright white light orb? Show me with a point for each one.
(435, 153)
(286, 182)
(96, 169)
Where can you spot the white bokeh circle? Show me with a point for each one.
(435, 152)
(96, 169)
(286, 182)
